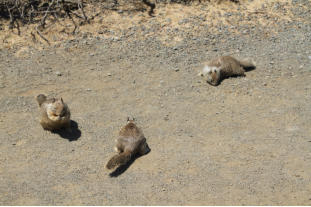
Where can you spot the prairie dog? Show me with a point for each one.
(55, 114)
(131, 141)
(223, 67)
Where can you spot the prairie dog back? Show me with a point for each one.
(223, 67)
(131, 141)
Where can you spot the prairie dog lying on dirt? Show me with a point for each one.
(223, 67)
(55, 114)
(131, 141)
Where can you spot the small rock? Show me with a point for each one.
(58, 73)
(88, 89)
(109, 74)
(176, 69)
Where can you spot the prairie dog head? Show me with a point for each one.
(57, 109)
(211, 74)
(130, 129)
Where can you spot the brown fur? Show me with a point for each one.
(55, 114)
(131, 141)
(224, 67)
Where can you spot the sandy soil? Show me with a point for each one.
(245, 142)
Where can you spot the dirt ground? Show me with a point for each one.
(245, 142)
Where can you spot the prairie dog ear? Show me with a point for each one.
(42, 96)
(53, 100)
(130, 119)
(61, 99)
(40, 99)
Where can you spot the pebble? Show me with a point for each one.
(58, 73)
(109, 74)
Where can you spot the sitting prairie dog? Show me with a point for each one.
(223, 67)
(55, 114)
(131, 141)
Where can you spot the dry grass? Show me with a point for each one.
(99, 18)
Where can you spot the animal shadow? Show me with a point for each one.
(74, 135)
(122, 168)
(247, 69)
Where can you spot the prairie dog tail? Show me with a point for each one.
(119, 159)
(247, 64)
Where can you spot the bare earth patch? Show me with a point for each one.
(245, 142)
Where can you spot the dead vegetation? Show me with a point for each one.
(39, 12)
(20, 12)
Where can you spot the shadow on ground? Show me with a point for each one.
(74, 135)
(121, 169)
